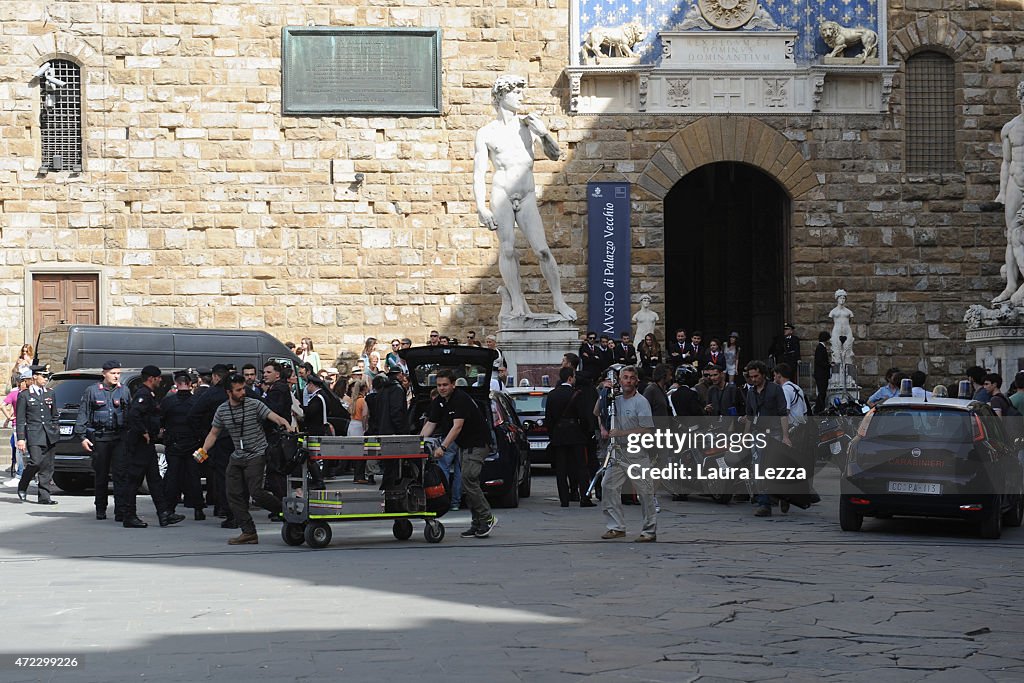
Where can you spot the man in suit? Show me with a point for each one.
(38, 431)
(564, 413)
(693, 351)
(675, 347)
(821, 372)
(591, 356)
(624, 352)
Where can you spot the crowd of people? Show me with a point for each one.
(219, 423)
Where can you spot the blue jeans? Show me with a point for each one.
(451, 465)
(17, 458)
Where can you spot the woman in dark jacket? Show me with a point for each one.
(650, 354)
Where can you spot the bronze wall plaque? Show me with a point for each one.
(358, 70)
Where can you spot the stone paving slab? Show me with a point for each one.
(721, 597)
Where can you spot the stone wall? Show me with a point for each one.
(206, 207)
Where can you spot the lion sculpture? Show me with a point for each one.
(839, 38)
(618, 40)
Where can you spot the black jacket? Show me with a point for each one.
(563, 415)
(103, 412)
(144, 416)
(37, 417)
(279, 399)
(314, 415)
(624, 354)
(686, 402)
(200, 415)
(179, 435)
(822, 365)
(392, 413)
(591, 359)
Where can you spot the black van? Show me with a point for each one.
(72, 347)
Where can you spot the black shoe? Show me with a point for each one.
(564, 504)
(22, 495)
(118, 517)
(585, 502)
(276, 516)
(229, 524)
(200, 515)
(101, 514)
(169, 518)
(470, 532)
(134, 522)
(484, 530)
(47, 502)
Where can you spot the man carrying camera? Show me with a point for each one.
(631, 415)
(243, 417)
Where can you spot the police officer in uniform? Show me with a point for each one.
(102, 417)
(142, 433)
(38, 432)
(180, 441)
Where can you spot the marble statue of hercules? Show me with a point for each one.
(508, 142)
(1011, 196)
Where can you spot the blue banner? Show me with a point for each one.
(608, 308)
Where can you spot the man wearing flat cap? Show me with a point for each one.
(142, 433)
(38, 431)
(102, 419)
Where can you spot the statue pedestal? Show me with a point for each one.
(836, 388)
(997, 335)
(998, 349)
(534, 346)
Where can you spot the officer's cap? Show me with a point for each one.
(40, 370)
(25, 372)
(182, 376)
(111, 365)
(204, 372)
(316, 380)
(151, 371)
(788, 326)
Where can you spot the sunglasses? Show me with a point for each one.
(396, 344)
(433, 335)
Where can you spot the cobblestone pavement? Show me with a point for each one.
(722, 596)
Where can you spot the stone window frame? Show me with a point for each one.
(944, 123)
(934, 33)
(46, 48)
(45, 164)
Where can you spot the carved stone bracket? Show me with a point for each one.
(575, 78)
(818, 81)
(886, 90)
(642, 101)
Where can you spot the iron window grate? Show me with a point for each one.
(60, 118)
(930, 114)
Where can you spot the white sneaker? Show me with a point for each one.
(657, 506)
(13, 482)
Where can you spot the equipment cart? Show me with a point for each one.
(308, 512)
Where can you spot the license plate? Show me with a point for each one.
(915, 487)
(66, 430)
(538, 445)
(836, 448)
(722, 464)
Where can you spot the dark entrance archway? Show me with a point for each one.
(727, 255)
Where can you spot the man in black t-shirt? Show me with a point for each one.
(471, 433)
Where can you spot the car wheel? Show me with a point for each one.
(70, 482)
(1015, 515)
(849, 518)
(511, 497)
(293, 534)
(402, 529)
(318, 535)
(527, 483)
(991, 525)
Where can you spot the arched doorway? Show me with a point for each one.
(727, 255)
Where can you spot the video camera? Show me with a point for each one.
(612, 375)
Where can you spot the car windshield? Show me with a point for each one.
(69, 390)
(531, 403)
(474, 375)
(915, 424)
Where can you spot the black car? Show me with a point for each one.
(506, 472)
(936, 458)
(529, 403)
(72, 465)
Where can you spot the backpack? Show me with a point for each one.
(337, 415)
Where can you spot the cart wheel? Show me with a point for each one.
(318, 535)
(433, 531)
(402, 529)
(293, 534)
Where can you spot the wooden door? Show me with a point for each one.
(69, 298)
